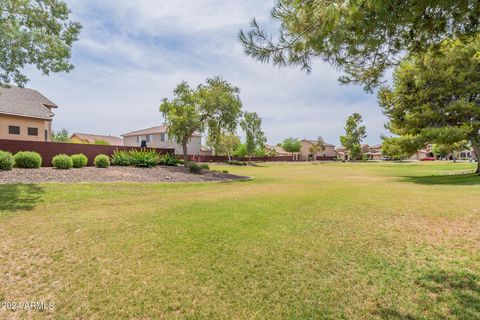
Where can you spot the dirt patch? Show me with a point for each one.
(112, 174)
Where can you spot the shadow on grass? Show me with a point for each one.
(453, 179)
(15, 197)
(450, 293)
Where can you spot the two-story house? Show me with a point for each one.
(157, 137)
(25, 114)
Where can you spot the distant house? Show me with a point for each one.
(25, 114)
(92, 138)
(157, 137)
(277, 150)
(371, 152)
(305, 153)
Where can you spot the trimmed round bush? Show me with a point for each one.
(79, 160)
(6, 161)
(194, 168)
(28, 160)
(102, 161)
(62, 161)
(204, 166)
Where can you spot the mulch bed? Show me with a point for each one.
(112, 174)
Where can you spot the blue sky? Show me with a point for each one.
(132, 53)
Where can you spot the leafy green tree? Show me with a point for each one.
(291, 145)
(255, 137)
(362, 38)
(61, 136)
(101, 142)
(240, 151)
(399, 148)
(436, 96)
(35, 32)
(214, 106)
(317, 147)
(225, 144)
(354, 135)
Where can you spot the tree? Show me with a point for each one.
(291, 145)
(61, 136)
(35, 32)
(225, 144)
(444, 150)
(214, 106)
(399, 148)
(240, 151)
(354, 135)
(436, 96)
(317, 147)
(255, 138)
(362, 38)
(101, 142)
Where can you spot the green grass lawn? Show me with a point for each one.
(300, 241)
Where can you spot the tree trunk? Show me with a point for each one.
(229, 157)
(476, 147)
(249, 158)
(185, 154)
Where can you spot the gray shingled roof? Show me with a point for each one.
(25, 102)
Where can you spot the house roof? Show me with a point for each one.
(278, 149)
(152, 130)
(114, 141)
(315, 141)
(25, 102)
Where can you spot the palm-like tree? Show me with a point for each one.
(317, 147)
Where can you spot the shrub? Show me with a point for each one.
(224, 171)
(121, 158)
(62, 161)
(170, 160)
(194, 168)
(236, 163)
(144, 158)
(28, 160)
(6, 161)
(204, 166)
(79, 160)
(101, 161)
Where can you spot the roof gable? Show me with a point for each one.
(26, 103)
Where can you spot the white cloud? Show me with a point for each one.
(133, 53)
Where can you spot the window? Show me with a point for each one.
(13, 129)
(148, 138)
(138, 139)
(33, 131)
(162, 137)
(46, 135)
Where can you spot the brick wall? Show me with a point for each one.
(50, 149)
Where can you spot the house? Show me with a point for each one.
(277, 151)
(370, 152)
(92, 138)
(423, 153)
(25, 114)
(306, 155)
(157, 137)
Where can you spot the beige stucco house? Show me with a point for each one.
(305, 153)
(25, 114)
(157, 137)
(93, 138)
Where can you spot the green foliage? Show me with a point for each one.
(144, 158)
(399, 148)
(102, 161)
(6, 161)
(101, 142)
(62, 161)
(240, 151)
(79, 160)
(252, 126)
(214, 106)
(171, 160)
(317, 147)
(435, 95)
(37, 33)
(224, 144)
(354, 134)
(194, 168)
(361, 38)
(28, 160)
(121, 158)
(204, 166)
(61, 136)
(224, 171)
(291, 145)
